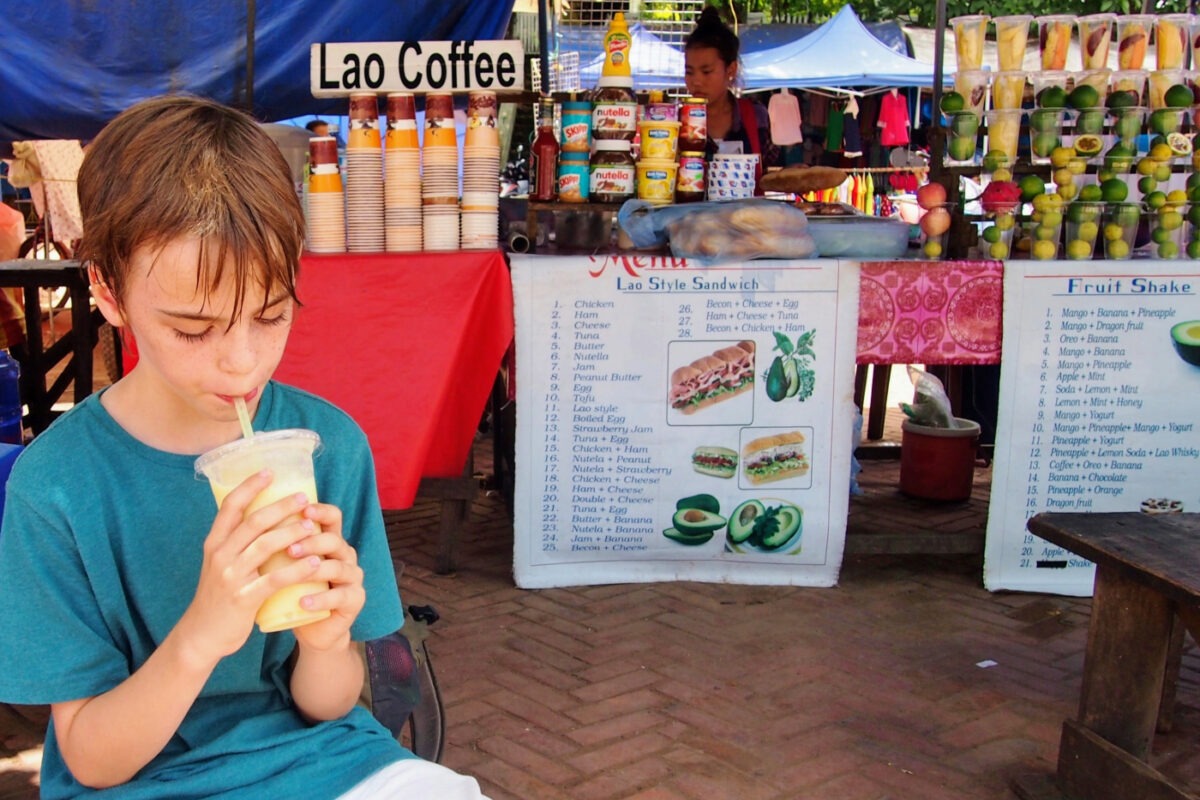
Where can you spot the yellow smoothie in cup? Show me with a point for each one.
(288, 454)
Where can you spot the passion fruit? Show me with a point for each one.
(1088, 145)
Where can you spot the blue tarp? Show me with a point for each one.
(69, 66)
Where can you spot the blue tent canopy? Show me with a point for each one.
(763, 37)
(69, 66)
(654, 63)
(841, 53)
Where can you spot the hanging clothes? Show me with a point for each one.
(851, 132)
(834, 130)
(893, 120)
(784, 112)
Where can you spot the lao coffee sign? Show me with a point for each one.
(342, 67)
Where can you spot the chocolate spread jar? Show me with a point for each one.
(614, 109)
(613, 176)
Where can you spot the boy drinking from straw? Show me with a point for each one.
(123, 603)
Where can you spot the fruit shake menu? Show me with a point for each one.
(1099, 379)
(682, 422)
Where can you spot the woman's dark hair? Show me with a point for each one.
(711, 32)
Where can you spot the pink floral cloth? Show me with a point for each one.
(930, 312)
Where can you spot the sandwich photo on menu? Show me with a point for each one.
(714, 378)
(720, 462)
(774, 458)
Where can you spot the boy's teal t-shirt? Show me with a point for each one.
(100, 554)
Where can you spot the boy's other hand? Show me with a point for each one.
(339, 566)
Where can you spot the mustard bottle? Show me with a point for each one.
(616, 48)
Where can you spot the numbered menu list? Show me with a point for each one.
(1096, 404)
(598, 476)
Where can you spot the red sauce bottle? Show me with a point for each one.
(544, 156)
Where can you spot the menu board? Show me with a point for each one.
(682, 422)
(1099, 379)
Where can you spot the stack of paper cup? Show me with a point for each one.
(325, 208)
(402, 176)
(439, 174)
(364, 176)
(481, 174)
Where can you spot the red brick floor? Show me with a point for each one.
(877, 689)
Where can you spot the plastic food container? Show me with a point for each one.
(859, 236)
(659, 139)
(732, 177)
(656, 180)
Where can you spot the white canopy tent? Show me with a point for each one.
(841, 53)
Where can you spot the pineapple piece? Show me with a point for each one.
(1170, 45)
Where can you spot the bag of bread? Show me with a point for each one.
(733, 230)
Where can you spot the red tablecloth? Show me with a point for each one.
(407, 344)
(930, 312)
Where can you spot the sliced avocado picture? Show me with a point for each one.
(697, 520)
(1186, 338)
(792, 373)
(741, 522)
(687, 538)
(704, 502)
(788, 519)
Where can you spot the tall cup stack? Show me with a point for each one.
(325, 208)
(402, 176)
(481, 174)
(439, 174)
(364, 176)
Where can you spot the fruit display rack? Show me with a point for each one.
(1076, 164)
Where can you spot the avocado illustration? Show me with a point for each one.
(741, 521)
(687, 538)
(1186, 338)
(785, 523)
(696, 520)
(704, 502)
(792, 373)
(777, 383)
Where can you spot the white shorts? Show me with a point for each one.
(413, 778)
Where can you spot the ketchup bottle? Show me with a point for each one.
(544, 155)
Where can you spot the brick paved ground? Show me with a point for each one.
(874, 689)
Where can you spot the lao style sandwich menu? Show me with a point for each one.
(677, 421)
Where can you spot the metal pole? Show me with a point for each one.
(544, 43)
(937, 139)
(251, 22)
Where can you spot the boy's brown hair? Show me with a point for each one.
(181, 166)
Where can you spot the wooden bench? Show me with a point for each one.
(1147, 582)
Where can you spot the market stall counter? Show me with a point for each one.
(410, 346)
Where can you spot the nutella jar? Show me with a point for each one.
(613, 176)
(693, 124)
(614, 109)
(689, 181)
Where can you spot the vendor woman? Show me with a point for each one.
(735, 124)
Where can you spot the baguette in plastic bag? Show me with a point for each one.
(734, 230)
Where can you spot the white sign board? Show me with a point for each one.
(1098, 407)
(339, 68)
(679, 422)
